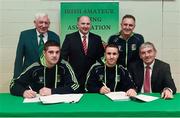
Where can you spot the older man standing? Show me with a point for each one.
(31, 42)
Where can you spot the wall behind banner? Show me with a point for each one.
(157, 20)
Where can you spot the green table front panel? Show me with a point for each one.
(91, 105)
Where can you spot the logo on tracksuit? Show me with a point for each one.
(133, 47)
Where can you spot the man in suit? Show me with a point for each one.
(82, 49)
(127, 41)
(29, 42)
(157, 71)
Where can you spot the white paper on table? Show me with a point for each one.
(118, 96)
(145, 98)
(31, 100)
(61, 98)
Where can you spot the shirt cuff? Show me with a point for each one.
(168, 89)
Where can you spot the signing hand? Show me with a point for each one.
(104, 90)
(29, 94)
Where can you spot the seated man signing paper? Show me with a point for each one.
(110, 77)
(46, 77)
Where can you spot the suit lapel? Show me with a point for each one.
(154, 73)
(90, 43)
(79, 42)
(34, 41)
(141, 73)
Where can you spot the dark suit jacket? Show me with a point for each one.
(72, 51)
(27, 49)
(160, 78)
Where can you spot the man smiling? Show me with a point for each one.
(127, 41)
(31, 42)
(152, 75)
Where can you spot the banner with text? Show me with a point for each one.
(104, 17)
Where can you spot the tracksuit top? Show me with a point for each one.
(60, 78)
(116, 78)
(128, 48)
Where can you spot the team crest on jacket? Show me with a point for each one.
(133, 47)
(120, 49)
(118, 78)
(41, 79)
(101, 77)
(58, 78)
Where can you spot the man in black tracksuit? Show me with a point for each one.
(127, 41)
(46, 77)
(110, 77)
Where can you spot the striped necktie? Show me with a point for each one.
(84, 44)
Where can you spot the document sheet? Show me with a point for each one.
(118, 96)
(30, 100)
(61, 98)
(55, 98)
(145, 98)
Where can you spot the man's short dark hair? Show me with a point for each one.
(129, 16)
(111, 45)
(50, 43)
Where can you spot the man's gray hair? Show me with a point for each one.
(40, 14)
(147, 44)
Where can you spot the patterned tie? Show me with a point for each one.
(147, 80)
(84, 44)
(41, 44)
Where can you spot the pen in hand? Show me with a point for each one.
(104, 84)
(30, 88)
(104, 89)
(34, 93)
